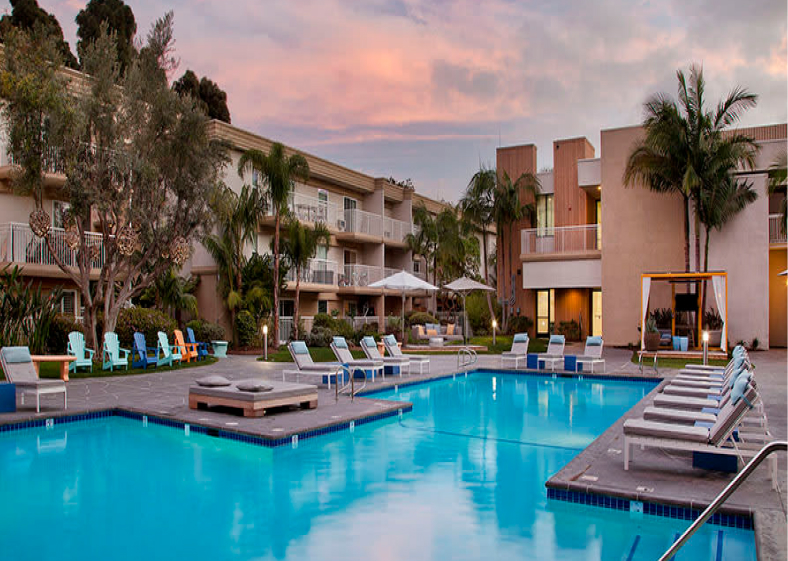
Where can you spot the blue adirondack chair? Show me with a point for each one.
(166, 353)
(112, 354)
(202, 347)
(141, 351)
(76, 347)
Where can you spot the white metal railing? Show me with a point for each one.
(358, 321)
(563, 239)
(388, 271)
(18, 244)
(777, 230)
(396, 230)
(317, 271)
(286, 327)
(361, 222)
(360, 275)
(52, 160)
(311, 209)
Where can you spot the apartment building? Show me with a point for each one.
(594, 237)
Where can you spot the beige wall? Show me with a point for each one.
(778, 290)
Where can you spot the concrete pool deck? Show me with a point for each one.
(668, 478)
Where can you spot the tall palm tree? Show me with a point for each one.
(477, 208)
(674, 155)
(424, 241)
(237, 219)
(458, 251)
(778, 176)
(279, 172)
(508, 208)
(300, 245)
(173, 293)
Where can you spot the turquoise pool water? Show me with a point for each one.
(461, 477)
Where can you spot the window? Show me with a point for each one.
(68, 303)
(59, 211)
(416, 267)
(598, 218)
(255, 178)
(544, 215)
(286, 308)
(545, 311)
(322, 252)
(350, 216)
(352, 309)
(350, 257)
(322, 306)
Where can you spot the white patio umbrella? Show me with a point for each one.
(404, 283)
(464, 286)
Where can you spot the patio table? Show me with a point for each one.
(62, 359)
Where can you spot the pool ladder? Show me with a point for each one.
(466, 357)
(350, 386)
(775, 446)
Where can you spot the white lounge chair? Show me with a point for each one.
(554, 353)
(592, 354)
(370, 348)
(342, 352)
(390, 342)
(307, 367)
(518, 352)
(19, 370)
(713, 391)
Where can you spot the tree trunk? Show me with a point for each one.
(486, 277)
(686, 236)
(697, 241)
(89, 321)
(705, 268)
(511, 274)
(276, 280)
(297, 298)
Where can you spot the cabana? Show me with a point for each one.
(718, 285)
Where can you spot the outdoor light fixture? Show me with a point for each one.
(265, 341)
(495, 324)
(705, 348)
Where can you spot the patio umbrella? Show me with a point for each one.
(464, 286)
(403, 282)
(784, 273)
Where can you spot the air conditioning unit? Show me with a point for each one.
(341, 224)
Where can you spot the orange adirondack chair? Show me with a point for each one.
(188, 350)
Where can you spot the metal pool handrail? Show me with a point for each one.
(775, 446)
(471, 357)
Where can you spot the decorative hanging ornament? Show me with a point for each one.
(72, 237)
(40, 222)
(95, 252)
(180, 250)
(127, 240)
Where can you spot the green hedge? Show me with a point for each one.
(420, 318)
(145, 320)
(246, 328)
(205, 331)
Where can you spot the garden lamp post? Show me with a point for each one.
(265, 341)
(495, 324)
(705, 348)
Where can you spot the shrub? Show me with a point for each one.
(711, 320)
(420, 318)
(755, 344)
(148, 321)
(325, 327)
(366, 330)
(394, 326)
(663, 317)
(319, 337)
(246, 328)
(570, 330)
(26, 312)
(61, 326)
(323, 320)
(205, 331)
(521, 324)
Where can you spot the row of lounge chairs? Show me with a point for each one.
(592, 354)
(704, 409)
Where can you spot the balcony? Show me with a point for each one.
(318, 274)
(53, 167)
(360, 225)
(777, 230)
(19, 245)
(394, 231)
(360, 276)
(572, 242)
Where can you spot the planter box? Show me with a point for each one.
(219, 349)
(7, 398)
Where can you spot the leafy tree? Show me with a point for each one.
(477, 206)
(119, 21)
(300, 245)
(424, 241)
(279, 173)
(458, 250)
(778, 177)
(138, 161)
(172, 293)
(257, 285)
(26, 15)
(207, 93)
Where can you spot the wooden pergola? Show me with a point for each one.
(719, 289)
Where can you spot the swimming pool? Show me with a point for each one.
(460, 477)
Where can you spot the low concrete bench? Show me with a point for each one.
(254, 404)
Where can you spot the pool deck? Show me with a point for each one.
(668, 477)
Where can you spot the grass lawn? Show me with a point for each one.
(504, 343)
(675, 363)
(319, 354)
(52, 370)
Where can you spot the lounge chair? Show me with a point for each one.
(146, 356)
(370, 348)
(187, 350)
(202, 347)
(342, 352)
(518, 352)
(300, 353)
(19, 370)
(390, 342)
(76, 347)
(166, 354)
(714, 391)
(554, 353)
(592, 354)
(112, 355)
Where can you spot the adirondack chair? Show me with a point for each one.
(202, 347)
(112, 354)
(187, 350)
(76, 347)
(166, 353)
(141, 351)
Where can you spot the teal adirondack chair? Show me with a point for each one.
(111, 354)
(76, 347)
(166, 353)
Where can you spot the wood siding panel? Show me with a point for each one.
(570, 200)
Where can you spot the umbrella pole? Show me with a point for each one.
(403, 318)
(465, 320)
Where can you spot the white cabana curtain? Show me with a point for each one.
(644, 293)
(719, 284)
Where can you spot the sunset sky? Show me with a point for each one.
(428, 89)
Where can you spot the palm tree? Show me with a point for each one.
(477, 208)
(237, 218)
(778, 176)
(279, 172)
(674, 155)
(458, 252)
(508, 208)
(424, 241)
(300, 245)
(173, 293)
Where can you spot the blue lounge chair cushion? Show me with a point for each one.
(299, 348)
(390, 339)
(213, 382)
(735, 376)
(594, 342)
(557, 339)
(16, 355)
(369, 341)
(520, 338)
(340, 343)
(739, 389)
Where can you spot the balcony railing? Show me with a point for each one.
(360, 275)
(777, 229)
(564, 239)
(18, 244)
(310, 209)
(396, 230)
(361, 222)
(317, 271)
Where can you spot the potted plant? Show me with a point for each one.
(651, 337)
(713, 324)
